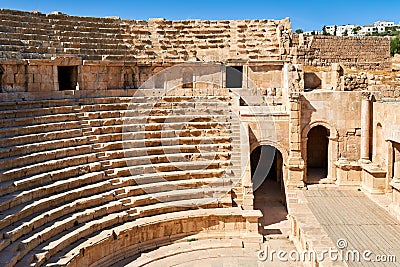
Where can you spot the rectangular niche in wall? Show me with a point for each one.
(67, 77)
(234, 76)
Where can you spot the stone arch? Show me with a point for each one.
(269, 181)
(333, 133)
(278, 146)
(283, 151)
(332, 147)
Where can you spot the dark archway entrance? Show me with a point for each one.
(67, 77)
(234, 76)
(269, 194)
(317, 154)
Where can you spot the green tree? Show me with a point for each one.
(298, 31)
(395, 45)
(356, 29)
(324, 32)
(334, 32)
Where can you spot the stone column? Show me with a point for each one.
(248, 196)
(295, 161)
(365, 126)
(245, 75)
(332, 157)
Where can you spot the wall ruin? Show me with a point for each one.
(350, 51)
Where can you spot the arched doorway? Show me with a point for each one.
(269, 195)
(317, 154)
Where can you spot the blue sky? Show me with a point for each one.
(307, 15)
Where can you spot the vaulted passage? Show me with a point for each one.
(317, 154)
(269, 195)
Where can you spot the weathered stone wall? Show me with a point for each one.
(340, 113)
(265, 77)
(385, 126)
(350, 51)
(355, 81)
(387, 91)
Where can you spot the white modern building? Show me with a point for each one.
(340, 30)
(330, 29)
(312, 33)
(384, 23)
(345, 30)
(369, 29)
(376, 27)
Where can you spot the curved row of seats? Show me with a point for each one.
(71, 169)
(255, 39)
(36, 35)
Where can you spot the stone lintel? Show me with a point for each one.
(256, 63)
(66, 61)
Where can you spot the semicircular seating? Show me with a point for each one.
(79, 175)
(33, 35)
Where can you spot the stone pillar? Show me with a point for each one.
(389, 167)
(365, 126)
(248, 196)
(295, 161)
(332, 156)
(245, 80)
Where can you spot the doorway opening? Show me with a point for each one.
(234, 76)
(129, 78)
(269, 195)
(1, 79)
(67, 77)
(187, 80)
(317, 154)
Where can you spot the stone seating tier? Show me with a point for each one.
(69, 171)
(40, 36)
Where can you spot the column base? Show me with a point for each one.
(364, 161)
